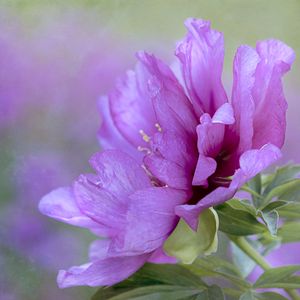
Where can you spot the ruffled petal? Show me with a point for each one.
(61, 205)
(131, 107)
(173, 110)
(104, 197)
(108, 134)
(257, 95)
(173, 148)
(252, 162)
(102, 272)
(276, 59)
(201, 54)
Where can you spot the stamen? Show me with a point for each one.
(158, 127)
(145, 137)
(144, 149)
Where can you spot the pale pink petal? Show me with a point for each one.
(61, 205)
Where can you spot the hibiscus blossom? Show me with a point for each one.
(187, 149)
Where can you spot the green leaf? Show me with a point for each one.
(213, 266)
(255, 184)
(288, 191)
(250, 295)
(279, 278)
(281, 176)
(271, 220)
(290, 211)
(238, 222)
(269, 296)
(152, 275)
(212, 293)
(243, 205)
(290, 232)
(156, 292)
(187, 244)
(275, 205)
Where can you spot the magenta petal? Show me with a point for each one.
(109, 135)
(210, 142)
(118, 173)
(206, 166)
(150, 219)
(175, 148)
(102, 272)
(224, 114)
(131, 106)
(254, 161)
(269, 118)
(245, 62)
(168, 172)
(210, 136)
(104, 197)
(172, 108)
(100, 205)
(60, 204)
(201, 54)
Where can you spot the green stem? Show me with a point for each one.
(259, 259)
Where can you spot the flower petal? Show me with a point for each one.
(276, 59)
(131, 107)
(119, 173)
(201, 54)
(160, 257)
(168, 172)
(245, 62)
(61, 205)
(102, 272)
(257, 96)
(172, 108)
(210, 142)
(109, 135)
(99, 249)
(150, 219)
(100, 205)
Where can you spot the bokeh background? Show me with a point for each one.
(56, 59)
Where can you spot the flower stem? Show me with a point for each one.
(242, 243)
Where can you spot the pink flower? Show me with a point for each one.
(188, 148)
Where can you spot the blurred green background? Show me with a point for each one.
(132, 25)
